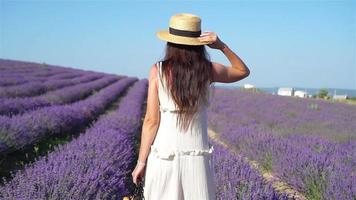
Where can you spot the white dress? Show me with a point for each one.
(179, 165)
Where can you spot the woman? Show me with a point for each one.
(175, 157)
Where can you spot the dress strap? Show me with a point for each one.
(158, 69)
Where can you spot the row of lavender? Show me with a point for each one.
(81, 88)
(17, 66)
(235, 179)
(31, 127)
(318, 167)
(96, 165)
(18, 72)
(19, 79)
(37, 87)
(34, 86)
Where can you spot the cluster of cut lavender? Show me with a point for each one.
(82, 87)
(295, 142)
(31, 127)
(96, 165)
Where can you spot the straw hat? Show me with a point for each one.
(184, 28)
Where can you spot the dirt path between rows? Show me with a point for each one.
(277, 184)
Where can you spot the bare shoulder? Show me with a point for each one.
(152, 76)
(153, 71)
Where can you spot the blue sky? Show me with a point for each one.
(284, 43)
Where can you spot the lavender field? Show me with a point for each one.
(67, 133)
(309, 144)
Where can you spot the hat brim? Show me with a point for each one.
(166, 36)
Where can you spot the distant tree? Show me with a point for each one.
(251, 89)
(352, 98)
(259, 90)
(323, 93)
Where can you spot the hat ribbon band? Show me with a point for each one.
(184, 32)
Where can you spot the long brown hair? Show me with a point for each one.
(189, 74)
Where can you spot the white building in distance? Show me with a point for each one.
(300, 93)
(340, 96)
(248, 86)
(286, 91)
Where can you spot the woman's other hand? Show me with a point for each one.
(212, 38)
(138, 173)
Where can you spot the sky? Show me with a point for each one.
(284, 43)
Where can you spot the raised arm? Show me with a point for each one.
(237, 71)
